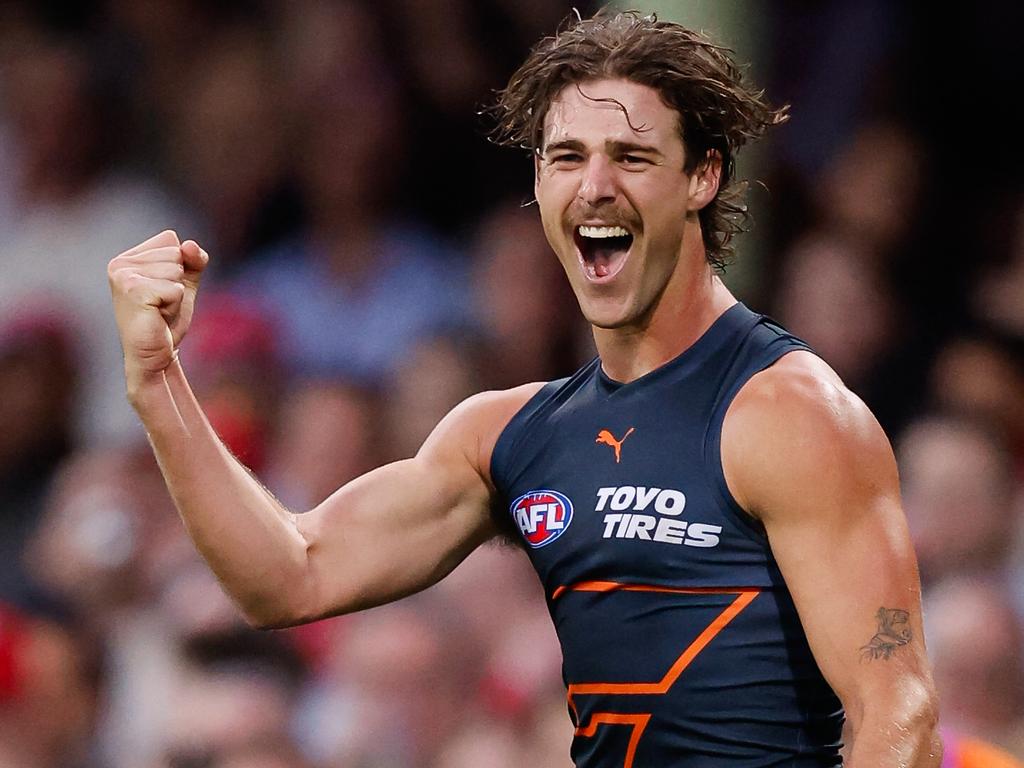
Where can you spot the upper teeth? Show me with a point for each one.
(586, 231)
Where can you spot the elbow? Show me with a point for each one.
(287, 598)
(926, 721)
(909, 700)
(925, 731)
(290, 606)
(279, 609)
(923, 712)
(908, 715)
(267, 622)
(266, 618)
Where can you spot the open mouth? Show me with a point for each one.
(603, 250)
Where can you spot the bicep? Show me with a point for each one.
(406, 525)
(394, 531)
(814, 465)
(853, 578)
(401, 527)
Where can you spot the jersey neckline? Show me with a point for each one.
(694, 354)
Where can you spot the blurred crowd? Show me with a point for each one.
(375, 261)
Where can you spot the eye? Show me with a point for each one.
(634, 160)
(566, 158)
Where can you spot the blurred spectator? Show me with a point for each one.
(227, 147)
(105, 518)
(396, 689)
(328, 433)
(161, 45)
(354, 293)
(551, 734)
(521, 656)
(109, 544)
(49, 691)
(38, 372)
(72, 209)
(448, 61)
(830, 60)
(453, 53)
(232, 359)
(234, 693)
(977, 648)
(980, 377)
(278, 753)
(523, 303)
(958, 496)
(831, 295)
(490, 743)
(144, 655)
(999, 295)
(871, 188)
(436, 376)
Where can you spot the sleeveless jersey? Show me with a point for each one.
(681, 644)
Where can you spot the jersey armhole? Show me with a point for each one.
(775, 351)
(511, 436)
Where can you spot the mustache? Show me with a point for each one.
(609, 214)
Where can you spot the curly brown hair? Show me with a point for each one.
(718, 111)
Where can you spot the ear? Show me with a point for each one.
(536, 172)
(704, 181)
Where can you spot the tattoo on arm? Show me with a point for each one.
(893, 631)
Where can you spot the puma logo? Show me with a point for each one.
(607, 438)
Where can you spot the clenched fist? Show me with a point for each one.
(154, 288)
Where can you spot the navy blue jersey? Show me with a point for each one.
(681, 644)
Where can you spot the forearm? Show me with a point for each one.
(246, 536)
(891, 738)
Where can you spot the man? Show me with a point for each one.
(715, 518)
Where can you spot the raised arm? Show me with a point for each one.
(807, 457)
(389, 533)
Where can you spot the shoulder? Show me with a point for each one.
(486, 411)
(474, 425)
(795, 430)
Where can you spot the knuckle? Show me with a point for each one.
(133, 282)
(121, 277)
(165, 254)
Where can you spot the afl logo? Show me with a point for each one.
(542, 516)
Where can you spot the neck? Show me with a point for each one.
(691, 302)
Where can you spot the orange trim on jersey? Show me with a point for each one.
(638, 722)
(688, 655)
(612, 586)
(744, 597)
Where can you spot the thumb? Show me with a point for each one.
(194, 258)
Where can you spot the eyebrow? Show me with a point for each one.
(622, 147)
(612, 147)
(571, 144)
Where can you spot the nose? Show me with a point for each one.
(597, 187)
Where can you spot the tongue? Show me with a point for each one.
(603, 259)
